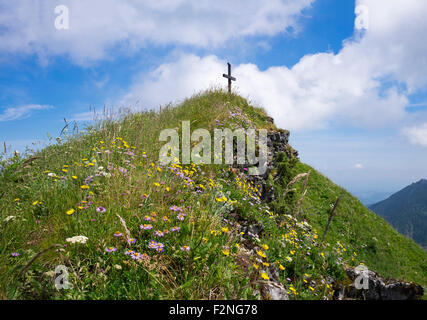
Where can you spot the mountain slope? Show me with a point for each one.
(406, 210)
(183, 231)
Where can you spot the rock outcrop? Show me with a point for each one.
(373, 287)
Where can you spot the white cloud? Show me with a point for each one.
(99, 25)
(417, 135)
(358, 166)
(366, 84)
(21, 112)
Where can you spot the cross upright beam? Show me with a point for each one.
(229, 77)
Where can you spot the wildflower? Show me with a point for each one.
(174, 229)
(85, 186)
(64, 170)
(180, 216)
(146, 226)
(118, 234)
(70, 212)
(261, 254)
(256, 266)
(165, 219)
(101, 209)
(281, 267)
(226, 252)
(265, 276)
(129, 252)
(159, 233)
(74, 177)
(15, 254)
(185, 248)
(110, 249)
(289, 259)
(36, 203)
(292, 252)
(311, 288)
(266, 264)
(322, 254)
(131, 240)
(265, 246)
(224, 230)
(77, 239)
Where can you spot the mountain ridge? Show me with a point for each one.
(406, 210)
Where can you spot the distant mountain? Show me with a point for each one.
(406, 211)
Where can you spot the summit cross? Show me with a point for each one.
(229, 77)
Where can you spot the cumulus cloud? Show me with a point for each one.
(21, 112)
(417, 135)
(367, 83)
(99, 25)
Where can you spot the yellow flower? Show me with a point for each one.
(266, 264)
(219, 199)
(167, 189)
(224, 230)
(16, 200)
(84, 186)
(265, 276)
(157, 184)
(64, 170)
(322, 254)
(292, 252)
(74, 177)
(265, 246)
(281, 267)
(311, 288)
(261, 254)
(226, 252)
(70, 212)
(36, 203)
(255, 266)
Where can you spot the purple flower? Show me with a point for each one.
(101, 209)
(173, 229)
(15, 254)
(131, 240)
(159, 233)
(180, 216)
(118, 234)
(146, 226)
(175, 208)
(110, 249)
(185, 248)
(156, 246)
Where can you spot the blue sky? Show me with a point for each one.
(349, 86)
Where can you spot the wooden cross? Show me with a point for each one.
(229, 77)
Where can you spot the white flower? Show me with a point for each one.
(9, 218)
(77, 239)
(51, 174)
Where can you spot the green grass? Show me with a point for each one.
(37, 190)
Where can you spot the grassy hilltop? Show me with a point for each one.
(181, 231)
